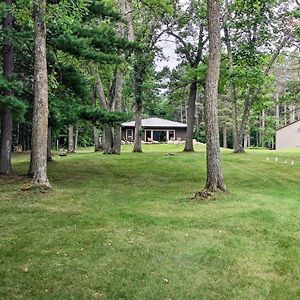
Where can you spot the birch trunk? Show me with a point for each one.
(6, 114)
(40, 104)
(214, 180)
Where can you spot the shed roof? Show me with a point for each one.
(287, 125)
(156, 122)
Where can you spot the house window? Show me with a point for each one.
(160, 136)
(129, 134)
(171, 135)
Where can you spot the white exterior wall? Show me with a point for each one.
(288, 137)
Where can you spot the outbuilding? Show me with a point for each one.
(288, 136)
(156, 130)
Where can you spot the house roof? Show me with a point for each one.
(287, 125)
(156, 122)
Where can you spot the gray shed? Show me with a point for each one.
(288, 136)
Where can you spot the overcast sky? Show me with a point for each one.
(168, 45)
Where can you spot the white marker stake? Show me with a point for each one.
(276, 159)
(285, 162)
(267, 158)
(292, 163)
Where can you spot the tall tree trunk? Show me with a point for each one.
(225, 136)
(97, 139)
(6, 114)
(71, 146)
(137, 147)
(95, 129)
(285, 114)
(40, 103)
(49, 145)
(139, 76)
(107, 140)
(246, 141)
(262, 131)
(76, 138)
(118, 107)
(233, 95)
(244, 123)
(215, 181)
(292, 113)
(191, 111)
(277, 110)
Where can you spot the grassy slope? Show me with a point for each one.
(122, 228)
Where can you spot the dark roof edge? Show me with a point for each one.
(287, 125)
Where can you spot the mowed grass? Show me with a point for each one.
(122, 227)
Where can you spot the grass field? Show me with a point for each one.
(122, 227)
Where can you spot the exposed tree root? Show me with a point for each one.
(35, 188)
(207, 195)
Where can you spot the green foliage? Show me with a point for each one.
(101, 116)
(13, 88)
(73, 79)
(12, 84)
(81, 47)
(18, 106)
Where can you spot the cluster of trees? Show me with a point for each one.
(64, 64)
(74, 70)
(259, 70)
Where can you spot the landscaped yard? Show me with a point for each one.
(122, 227)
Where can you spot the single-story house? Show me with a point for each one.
(288, 136)
(156, 130)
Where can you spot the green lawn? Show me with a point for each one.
(122, 227)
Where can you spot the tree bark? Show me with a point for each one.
(285, 114)
(233, 95)
(71, 146)
(76, 138)
(97, 139)
(277, 110)
(118, 107)
(225, 136)
(139, 76)
(137, 147)
(191, 111)
(292, 113)
(49, 145)
(95, 129)
(6, 114)
(40, 104)
(262, 131)
(215, 181)
(107, 140)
